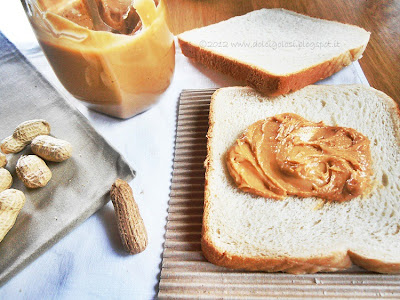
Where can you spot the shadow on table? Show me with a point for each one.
(109, 221)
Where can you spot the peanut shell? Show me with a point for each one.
(5, 179)
(33, 171)
(28, 130)
(3, 160)
(51, 149)
(11, 203)
(12, 145)
(130, 224)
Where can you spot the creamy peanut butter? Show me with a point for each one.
(120, 74)
(289, 155)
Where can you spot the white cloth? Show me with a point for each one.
(89, 261)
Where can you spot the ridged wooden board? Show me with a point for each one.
(186, 274)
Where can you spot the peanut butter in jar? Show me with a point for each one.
(119, 72)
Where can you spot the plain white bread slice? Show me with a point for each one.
(275, 51)
(304, 235)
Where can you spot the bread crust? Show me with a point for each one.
(267, 83)
(333, 261)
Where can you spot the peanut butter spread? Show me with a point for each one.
(289, 155)
(120, 74)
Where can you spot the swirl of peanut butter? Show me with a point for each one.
(289, 155)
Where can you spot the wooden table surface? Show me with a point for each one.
(381, 60)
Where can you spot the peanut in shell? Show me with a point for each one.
(51, 148)
(11, 203)
(12, 145)
(5, 179)
(130, 224)
(3, 160)
(33, 171)
(28, 130)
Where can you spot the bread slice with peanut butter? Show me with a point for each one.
(304, 234)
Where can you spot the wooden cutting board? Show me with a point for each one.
(186, 274)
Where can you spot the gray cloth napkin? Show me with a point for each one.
(79, 186)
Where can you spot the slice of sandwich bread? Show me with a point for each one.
(304, 235)
(276, 51)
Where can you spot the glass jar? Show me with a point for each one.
(111, 72)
